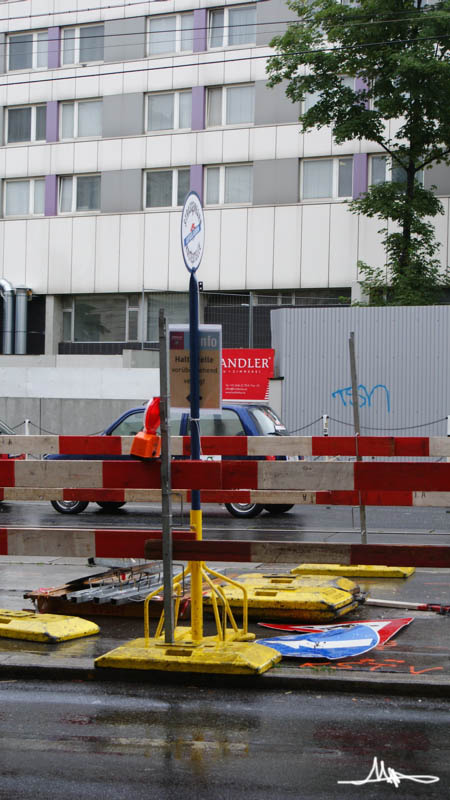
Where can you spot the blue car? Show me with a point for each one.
(235, 419)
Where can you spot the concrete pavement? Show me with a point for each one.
(417, 661)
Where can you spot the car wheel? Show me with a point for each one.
(69, 506)
(278, 509)
(245, 510)
(110, 506)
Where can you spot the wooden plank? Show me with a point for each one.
(308, 552)
(305, 475)
(385, 446)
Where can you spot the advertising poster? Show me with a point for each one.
(246, 373)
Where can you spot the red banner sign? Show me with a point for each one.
(246, 373)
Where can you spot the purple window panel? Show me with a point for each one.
(200, 23)
(51, 195)
(360, 182)
(52, 121)
(54, 48)
(196, 180)
(198, 108)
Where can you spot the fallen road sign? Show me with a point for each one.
(334, 641)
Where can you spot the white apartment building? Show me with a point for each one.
(110, 112)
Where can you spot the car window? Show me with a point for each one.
(225, 424)
(267, 421)
(135, 422)
(129, 426)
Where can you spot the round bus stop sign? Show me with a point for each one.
(192, 231)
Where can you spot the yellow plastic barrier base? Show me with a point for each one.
(49, 628)
(211, 656)
(304, 598)
(355, 571)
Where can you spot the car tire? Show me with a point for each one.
(278, 509)
(244, 510)
(69, 506)
(110, 506)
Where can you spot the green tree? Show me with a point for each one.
(398, 53)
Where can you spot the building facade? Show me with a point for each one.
(109, 115)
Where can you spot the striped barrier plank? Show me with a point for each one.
(394, 555)
(114, 543)
(284, 476)
(314, 446)
(82, 543)
(263, 497)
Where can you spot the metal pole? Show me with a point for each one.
(142, 319)
(362, 508)
(250, 320)
(166, 488)
(196, 513)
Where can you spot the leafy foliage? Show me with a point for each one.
(398, 53)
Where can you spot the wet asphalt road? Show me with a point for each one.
(331, 523)
(119, 742)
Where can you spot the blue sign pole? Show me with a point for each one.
(194, 353)
(192, 242)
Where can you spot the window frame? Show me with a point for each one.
(68, 309)
(389, 162)
(31, 197)
(176, 16)
(176, 110)
(335, 197)
(224, 89)
(76, 44)
(175, 171)
(32, 138)
(34, 50)
(74, 178)
(222, 184)
(76, 104)
(226, 27)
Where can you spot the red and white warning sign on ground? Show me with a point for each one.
(246, 373)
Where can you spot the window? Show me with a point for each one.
(311, 98)
(26, 124)
(81, 119)
(166, 187)
(230, 105)
(382, 169)
(327, 178)
(100, 318)
(28, 50)
(23, 198)
(173, 33)
(176, 309)
(232, 184)
(169, 111)
(83, 44)
(227, 423)
(232, 26)
(79, 193)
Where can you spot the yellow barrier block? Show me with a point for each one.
(355, 571)
(49, 628)
(210, 656)
(305, 598)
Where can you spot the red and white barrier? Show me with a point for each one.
(314, 446)
(81, 543)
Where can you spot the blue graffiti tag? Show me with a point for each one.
(365, 397)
